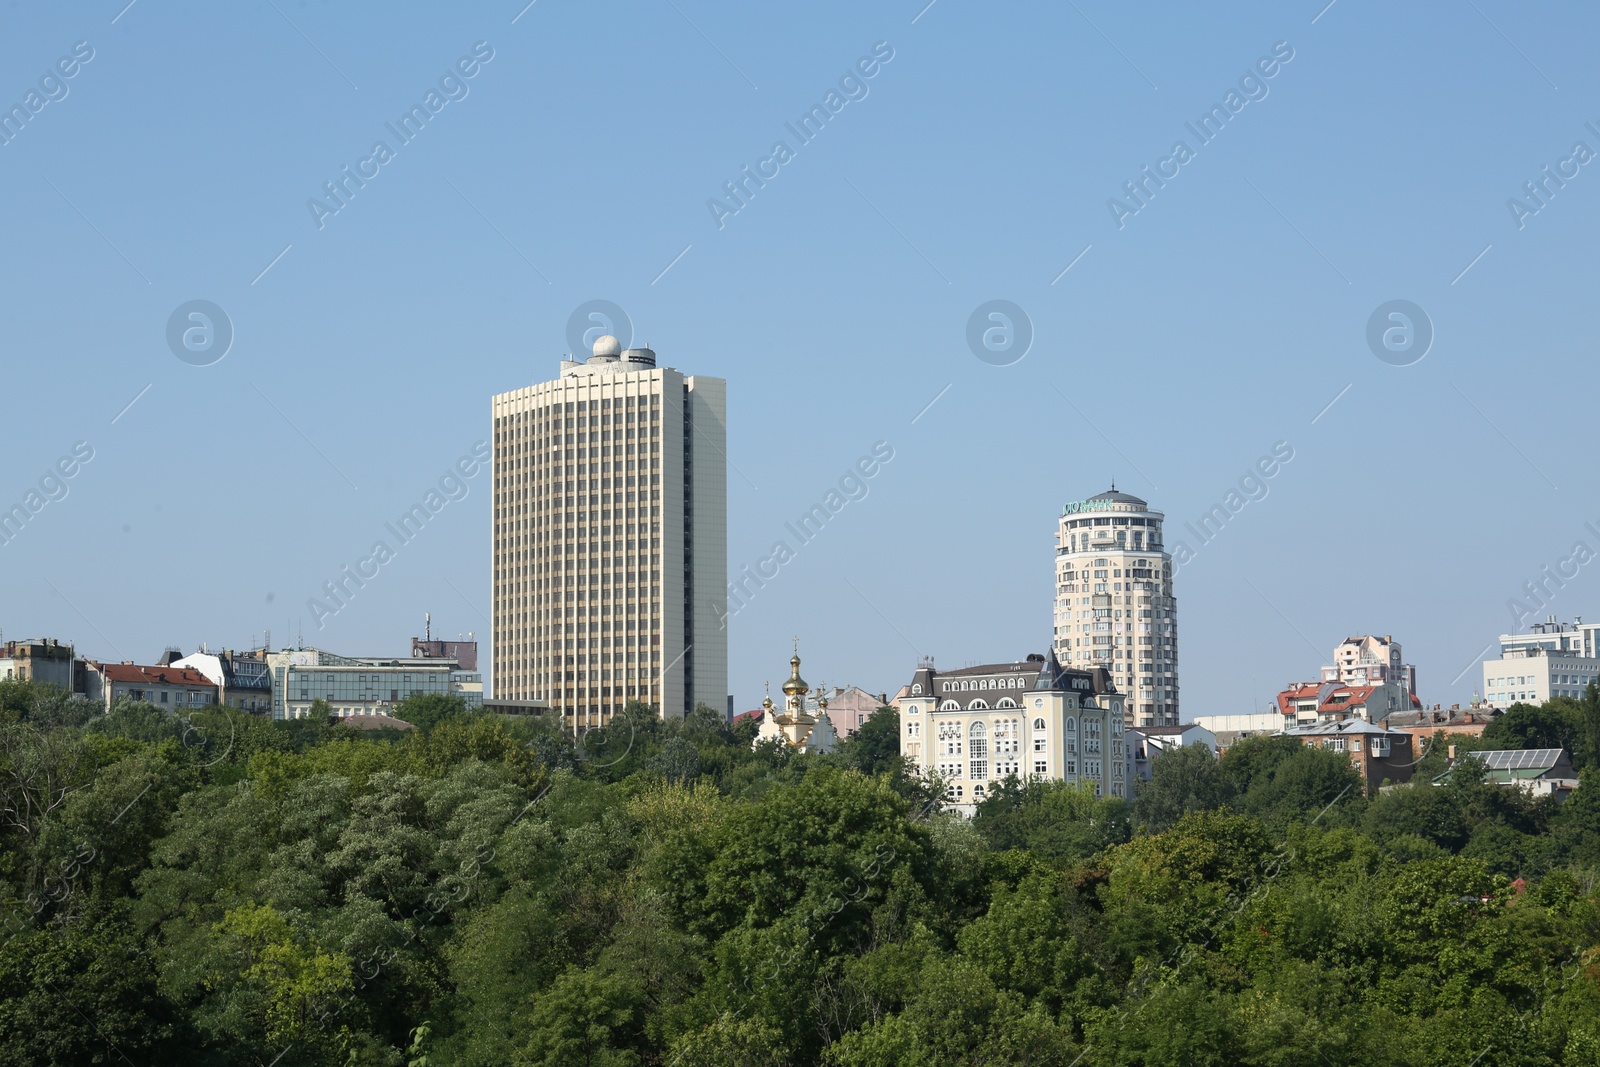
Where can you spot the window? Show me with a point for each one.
(914, 710)
(979, 705)
(949, 705)
(1072, 725)
(1038, 725)
(1041, 767)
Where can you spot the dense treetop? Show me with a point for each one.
(222, 889)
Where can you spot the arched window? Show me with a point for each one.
(978, 705)
(1038, 725)
(977, 729)
(949, 705)
(1005, 702)
(916, 690)
(1072, 725)
(913, 709)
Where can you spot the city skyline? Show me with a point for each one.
(205, 483)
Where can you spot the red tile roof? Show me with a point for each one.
(133, 673)
(1340, 697)
(1299, 691)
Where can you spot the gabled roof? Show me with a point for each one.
(1298, 691)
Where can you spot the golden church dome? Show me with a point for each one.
(796, 685)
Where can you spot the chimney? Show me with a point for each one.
(1451, 753)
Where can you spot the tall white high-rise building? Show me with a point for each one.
(1114, 602)
(611, 539)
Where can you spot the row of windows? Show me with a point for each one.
(167, 696)
(979, 705)
(1017, 681)
(1076, 524)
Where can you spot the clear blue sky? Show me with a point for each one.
(1220, 319)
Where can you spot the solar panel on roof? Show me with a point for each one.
(1519, 758)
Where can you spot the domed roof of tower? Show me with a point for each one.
(606, 345)
(1119, 498)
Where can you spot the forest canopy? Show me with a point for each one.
(479, 890)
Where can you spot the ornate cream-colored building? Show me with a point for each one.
(795, 725)
(977, 726)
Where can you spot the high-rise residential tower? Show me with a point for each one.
(1114, 603)
(611, 538)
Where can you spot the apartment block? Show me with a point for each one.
(1114, 606)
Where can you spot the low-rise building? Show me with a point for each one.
(975, 727)
(1536, 771)
(1245, 723)
(850, 707)
(169, 688)
(243, 679)
(352, 685)
(1146, 742)
(46, 661)
(1379, 755)
(1303, 703)
(1423, 725)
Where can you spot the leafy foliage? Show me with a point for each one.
(489, 891)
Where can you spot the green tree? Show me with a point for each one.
(84, 993)
(582, 1019)
(1181, 780)
(427, 710)
(874, 748)
(1553, 724)
(1306, 785)
(1060, 822)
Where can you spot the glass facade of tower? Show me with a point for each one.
(1114, 602)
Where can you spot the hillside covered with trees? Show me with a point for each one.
(483, 891)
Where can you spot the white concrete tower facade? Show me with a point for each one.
(1114, 602)
(611, 539)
